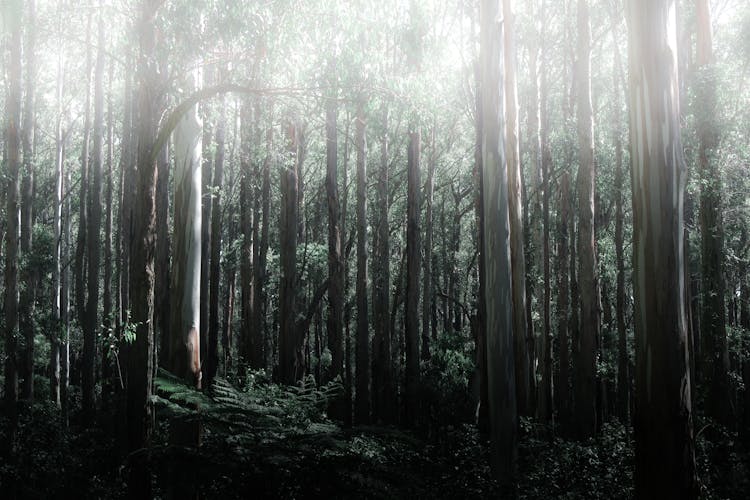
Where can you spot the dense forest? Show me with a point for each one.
(375, 249)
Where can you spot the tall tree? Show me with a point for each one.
(29, 274)
(562, 383)
(585, 367)
(93, 238)
(663, 424)
(714, 332)
(496, 251)
(413, 254)
(382, 381)
(13, 14)
(427, 295)
(184, 347)
(362, 358)
(517, 257)
(140, 352)
(291, 361)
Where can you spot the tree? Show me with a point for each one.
(517, 257)
(291, 360)
(663, 424)
(496, 251)
(13, 14)
(716, 355)
(584, 384)
(413, 254)
(140, 351)
(184, 347)
(362, 357)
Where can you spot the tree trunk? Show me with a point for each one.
(427, 295)
(517, 257)
(562, 383)
(93, 238)
(716, 355)
(584, 383)
(140, 351)
(215, 270)
(335, 321)
(184, 347)
(413, 255)
(29, 274)
(496, 252)
(291, 362)
(57, 269)
(623, 377)
(362, 402)
(12, 166)
(383, 393)
(663, 424)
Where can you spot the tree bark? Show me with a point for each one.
(584, 383)
(29, 274)
(362, 355)
(291, 361)
(215, 265)
(427, 293)
(413, 255)
(663, 424)
(496, 252)
(562, 383)
(13, 164)
(93, 237)
(184, 347)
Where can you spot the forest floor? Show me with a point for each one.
(270, 442)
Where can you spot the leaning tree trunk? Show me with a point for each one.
(585, 367)
(663, 424)
(496, 252)
(184, 346)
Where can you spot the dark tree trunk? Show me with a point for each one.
(362, 402)
(427, 295)
(413, 256)
(562, 384)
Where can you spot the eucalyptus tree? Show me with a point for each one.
(585, 366)
(12, 17)
(663, 423)
(362, 357)
(496, 250)
(185, 345)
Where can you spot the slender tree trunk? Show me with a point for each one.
(716, 355)
(382, 382)
(107, 331)
(496, 253)
(215, 271)
(12, 167)
(427, 295)
(623, 377)
(562, 384)
(29, 274)
(291, 362)
(664, 447)
(57, 332)
(362, 402)
(413, 255)
(65, 300)
(93, 237)
(585, 377)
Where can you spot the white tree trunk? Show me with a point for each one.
(184, 355)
